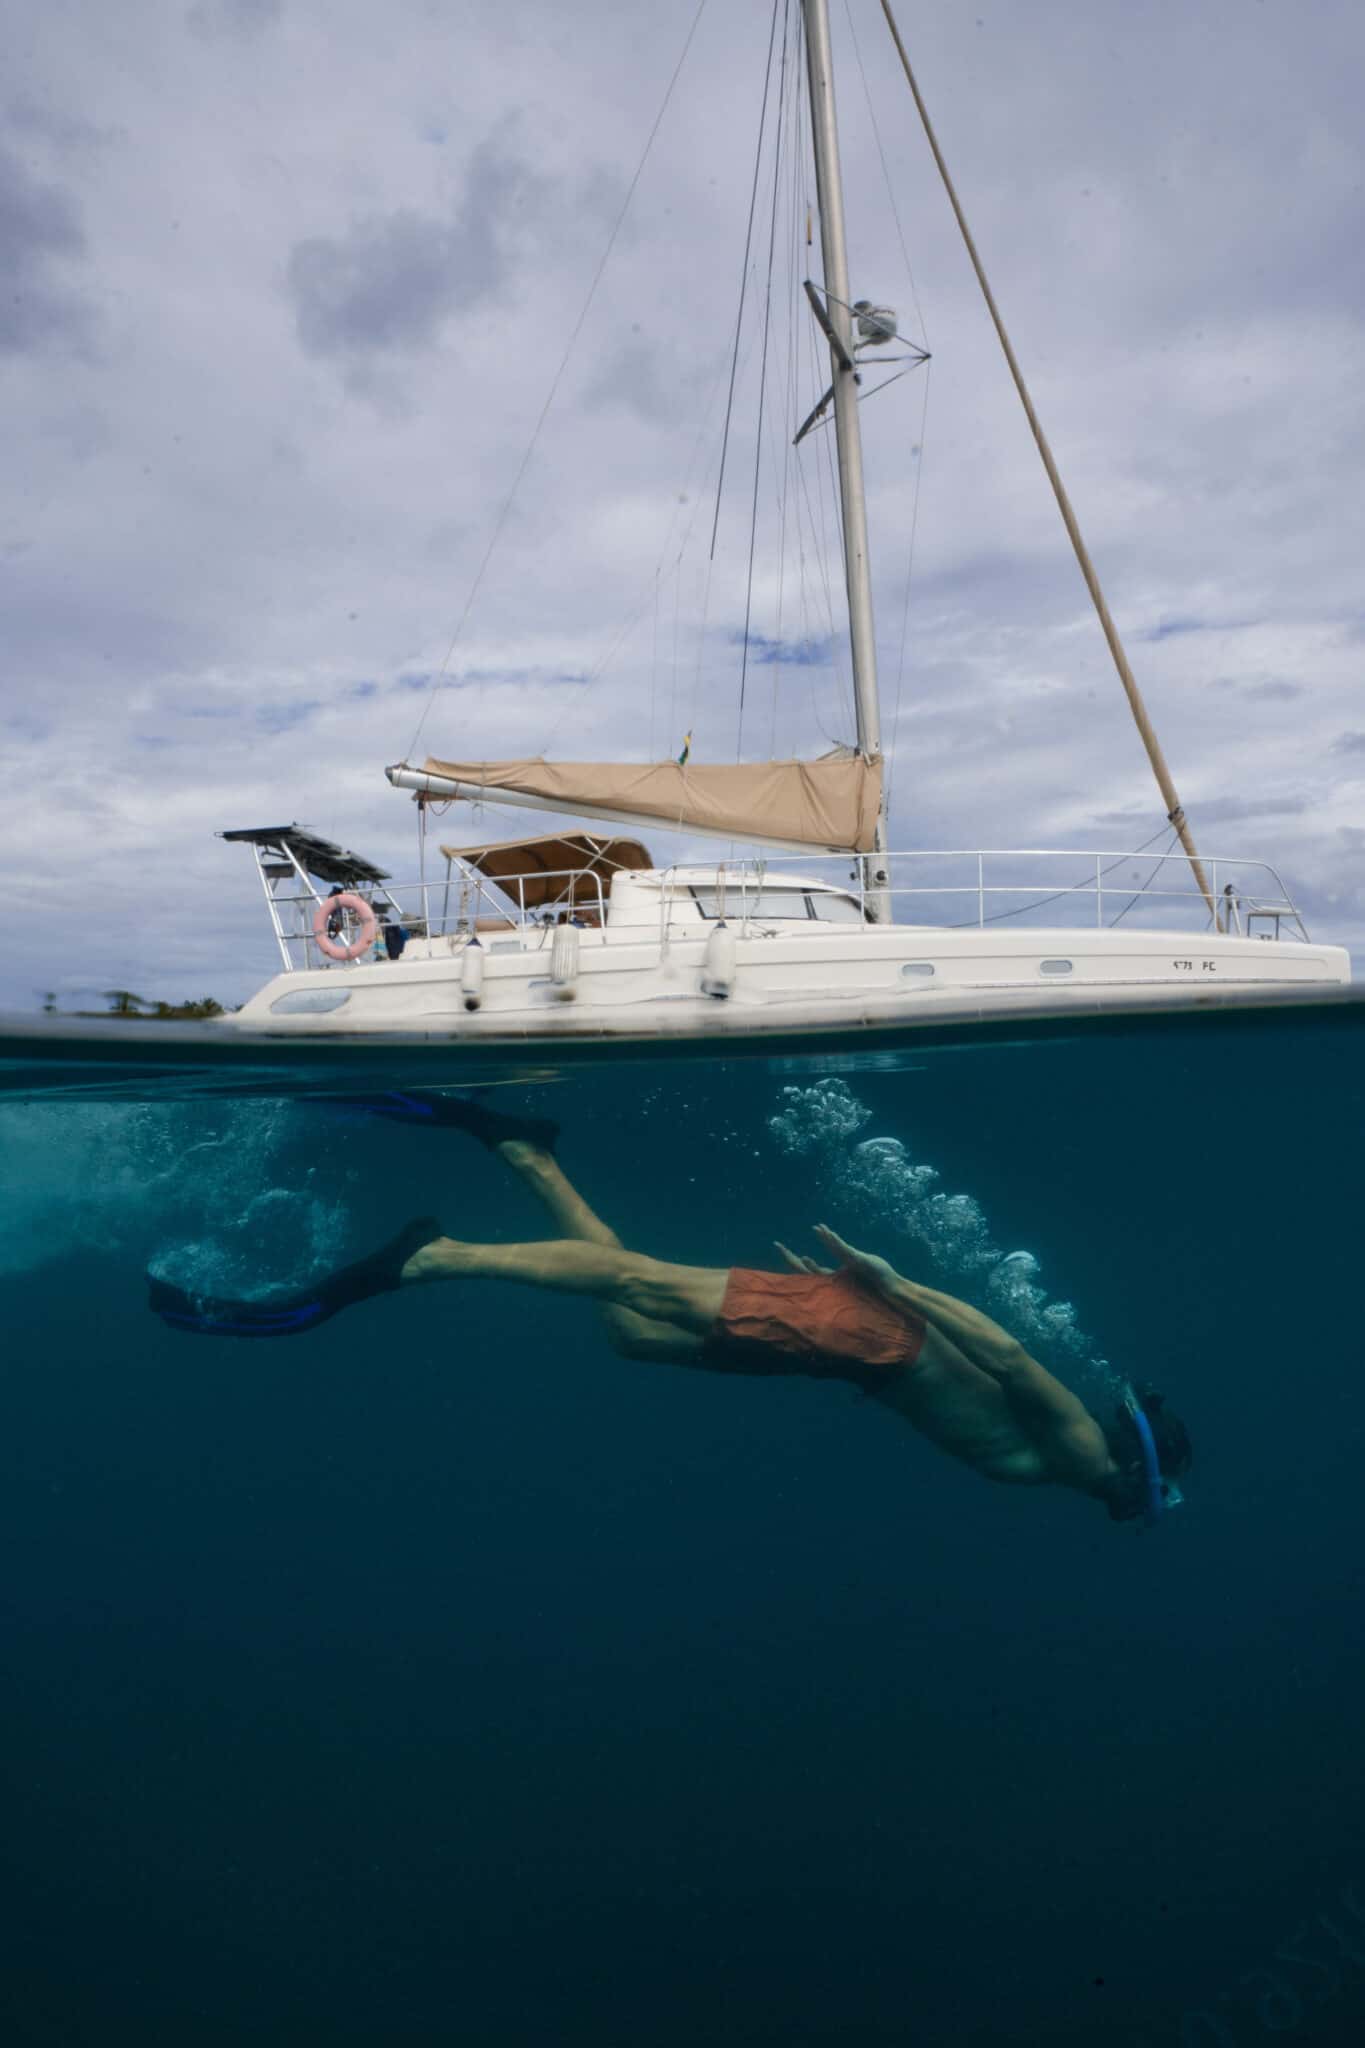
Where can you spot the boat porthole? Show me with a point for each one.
(1054, 967)
(309, 1002)
(917, 970)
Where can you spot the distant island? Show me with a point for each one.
(121, 1002)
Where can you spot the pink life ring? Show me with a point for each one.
(347, 900)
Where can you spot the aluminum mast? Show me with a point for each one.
(848, 436)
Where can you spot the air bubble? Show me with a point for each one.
(878, 1178)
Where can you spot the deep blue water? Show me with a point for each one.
(440, 1676)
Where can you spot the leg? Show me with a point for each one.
(631, 1334)
(542, 1173)
(526, 1145)
(681, 1303)
(676, 1304)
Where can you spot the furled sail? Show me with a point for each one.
(831, 803)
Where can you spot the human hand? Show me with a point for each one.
(798, 1261)
(877, 1272)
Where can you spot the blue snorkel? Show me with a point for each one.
(1160, 1495)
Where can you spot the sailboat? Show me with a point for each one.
(808, 921)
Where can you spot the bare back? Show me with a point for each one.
(977, 1393)
(965, 1412)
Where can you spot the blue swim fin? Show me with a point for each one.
(451, 1113)
(290, 1315)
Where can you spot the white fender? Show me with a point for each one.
(564, 962)
(718, 966)
(471, 975)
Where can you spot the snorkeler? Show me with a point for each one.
(955, 1375)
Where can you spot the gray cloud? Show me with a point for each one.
(1273, 692)
(57, 125)
(40, 230)
(1232, 810)
(1349, 743)
(1167, 629)
(1265, 690)
(659, 386)
(1210, 811)
(390, 283)
(212, 19)
(83, 430)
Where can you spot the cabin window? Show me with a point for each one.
(917, 970)
(741, 902)
(309, 1002)
(1054, 967)
(776, 902)
(834, 909)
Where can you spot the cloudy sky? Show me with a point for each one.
(285, 288)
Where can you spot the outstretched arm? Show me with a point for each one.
(984, 1342)
(1041, 1403)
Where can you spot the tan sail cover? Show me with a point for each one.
(830, 803)
(550, 870)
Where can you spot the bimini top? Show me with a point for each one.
(543, 871)
(317, 856)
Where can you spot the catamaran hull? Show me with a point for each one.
(776, 984)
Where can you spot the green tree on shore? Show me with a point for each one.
(206, 1006)
(123, 1003)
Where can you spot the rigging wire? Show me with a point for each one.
(830, 495)
(634, 611)
(553, 392)
(815, 515)
(886, 175)
(654, 665)
(744, 271)
(905, 607)
(813, 572)
(762, 391)
(819, 540)
(1174, 809)
(820, 553)
(1144, 886)
(999, 916)
(783, 456)
(677, 614)
(890, 752)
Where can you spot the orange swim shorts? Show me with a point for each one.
(824, 1324)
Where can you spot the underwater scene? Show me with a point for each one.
(471, 1662)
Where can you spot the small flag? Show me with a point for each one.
(686, 750)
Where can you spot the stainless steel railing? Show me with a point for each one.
(1028, 886)
(446, 913)
(937, 889)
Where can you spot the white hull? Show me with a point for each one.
(848, 977)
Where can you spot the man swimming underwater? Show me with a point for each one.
(952, 1373)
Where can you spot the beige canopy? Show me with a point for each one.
(831, 803)
(551, 870)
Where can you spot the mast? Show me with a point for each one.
(848, 436)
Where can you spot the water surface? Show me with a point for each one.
(441, 1676)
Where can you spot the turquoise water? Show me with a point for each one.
(439, 1675)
